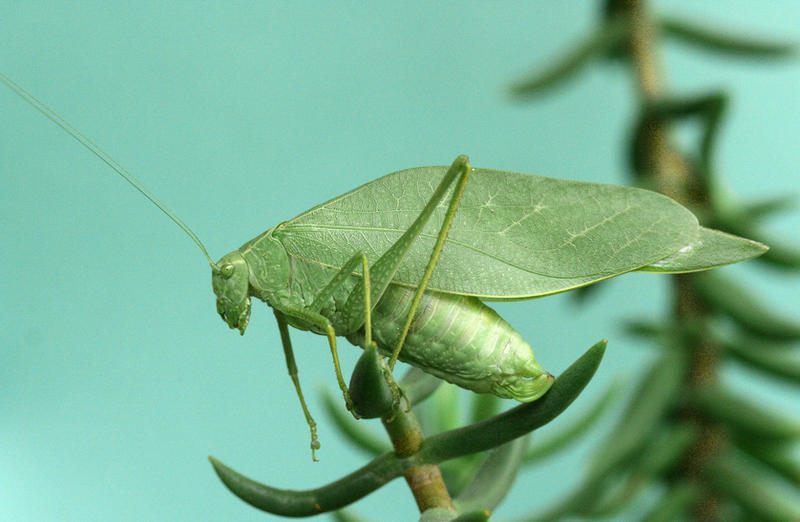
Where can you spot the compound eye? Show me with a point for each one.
(227, 271)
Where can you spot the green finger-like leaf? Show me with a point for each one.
(445, 414)
(778, 457)
(484, 405)
(727, 296)
(646, 329)
(457, 473)
(782, 256)
(494, 479)
(675, 503)
(710, 38)
(747, 485)
(749, 418)
(591, 488)
(551, 443)
(753, 343)
(518, 421)
(601, 493)
(349, 427)
(604, 38)
(418, 385)
(653, 397)
(658, 457)
(710, 249)
(766, 207)
(760, 209)
(708, 108)
(310, 502)
(446, 408)
(475, 438)
(776, 362)
(368, 388)
(586, 492)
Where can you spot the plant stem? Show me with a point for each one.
(669, 170)
(425, 480)
(673, 175)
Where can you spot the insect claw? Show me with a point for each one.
(315, 445)
(349, 403)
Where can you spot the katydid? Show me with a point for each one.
(406, 261)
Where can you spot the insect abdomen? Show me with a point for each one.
(460, 340)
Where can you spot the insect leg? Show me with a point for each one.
(321, 323)
(385, 268)
(337, 281)
(292, 367)
(437, 249)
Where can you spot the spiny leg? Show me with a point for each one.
(385, 268)
(326, 293)
(292, 367)
(437, 250)
(357, 309)
(322, 324)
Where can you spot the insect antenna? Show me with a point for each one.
(108, 160)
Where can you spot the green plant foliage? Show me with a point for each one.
(539, 236)
(605, 38)
(746, 417)
(754, 492)
(654, 395)
(776, 360)
(482, 436)
(777, 457)
(494, 478)
(419, 385)
(358, 435)
(710, 38)
(675, 504)
(369, 389)
(551, 443)
(662, 455)
(708, 109)
(731, 298)
(712, 451)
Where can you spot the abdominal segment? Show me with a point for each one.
(461, 340)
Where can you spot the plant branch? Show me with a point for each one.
(481, 436)
(672, 175)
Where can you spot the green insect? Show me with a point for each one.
(407, 260)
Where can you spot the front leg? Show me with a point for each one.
(321, 324)
(283, 328)
(311, 315)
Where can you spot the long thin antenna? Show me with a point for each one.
(108, 160)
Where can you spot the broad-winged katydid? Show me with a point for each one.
(406, 261)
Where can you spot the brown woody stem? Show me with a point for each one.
(425, 480)
(672, 174)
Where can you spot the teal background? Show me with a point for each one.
(117, 377)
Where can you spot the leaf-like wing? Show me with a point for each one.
(514, 236)
(710, 249)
